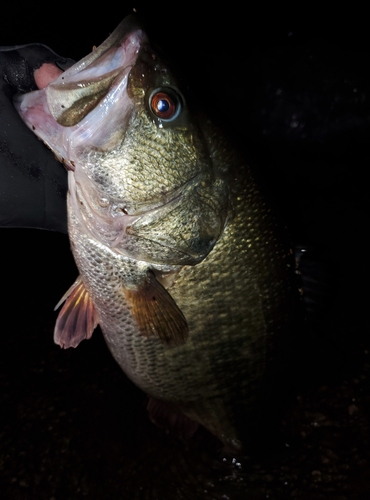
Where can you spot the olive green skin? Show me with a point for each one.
(190, 276)
(239, 301)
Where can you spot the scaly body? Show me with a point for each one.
(181, 261)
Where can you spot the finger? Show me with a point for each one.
(46, 74)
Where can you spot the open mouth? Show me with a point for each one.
(75, 110)
(79, 89)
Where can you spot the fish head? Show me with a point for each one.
(143, 179)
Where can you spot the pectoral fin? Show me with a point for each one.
(77, 318)
(156, 313)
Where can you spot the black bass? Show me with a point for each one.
(182, 263)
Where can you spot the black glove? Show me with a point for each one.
(33, 184)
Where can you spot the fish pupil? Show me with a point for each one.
(165, 104)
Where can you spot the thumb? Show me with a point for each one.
(46, 74)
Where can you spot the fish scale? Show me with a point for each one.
(225, 358)
(182, 262)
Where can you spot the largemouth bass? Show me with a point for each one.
(182, 262)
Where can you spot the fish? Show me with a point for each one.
(182, 262)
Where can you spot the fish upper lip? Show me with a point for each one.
(127, 26)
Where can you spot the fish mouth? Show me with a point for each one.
(72, 114)
(79, 89)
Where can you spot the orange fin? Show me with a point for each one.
(77, 318)
(156, 313)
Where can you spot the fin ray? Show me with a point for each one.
(77, 319)
(156, 313)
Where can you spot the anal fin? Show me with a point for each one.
(77, 318)
(167, 417)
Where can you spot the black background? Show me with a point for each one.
(292, 90)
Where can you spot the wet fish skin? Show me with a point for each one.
(182, 262)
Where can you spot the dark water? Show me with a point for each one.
(71, 425)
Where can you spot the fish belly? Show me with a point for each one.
(237, 303)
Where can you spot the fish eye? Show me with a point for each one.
(165, 104)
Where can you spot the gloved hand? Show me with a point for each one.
(33, 184)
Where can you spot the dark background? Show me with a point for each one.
(292, 91)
